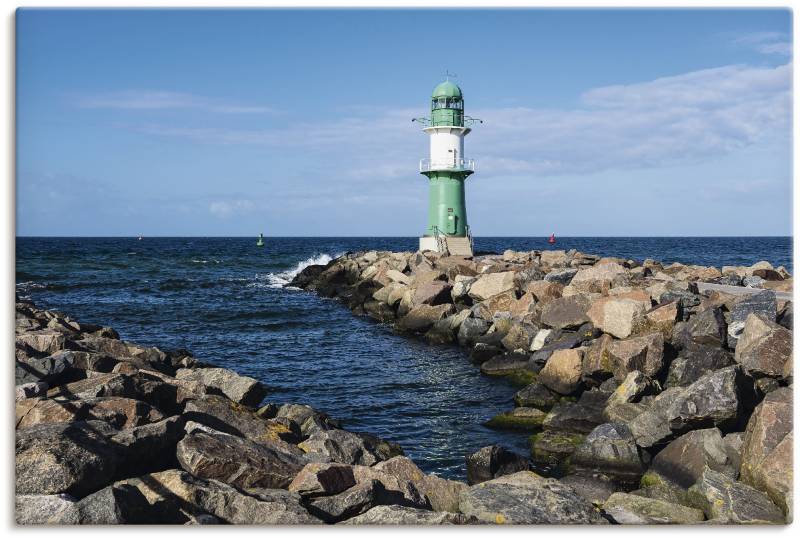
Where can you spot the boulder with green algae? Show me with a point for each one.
(725, 499)
(521, 418)
(628, 509)
(553, 447)
(538, 396)
(610, 449)
(683, 460)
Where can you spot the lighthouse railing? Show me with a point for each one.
(441, 242)
(428, 165)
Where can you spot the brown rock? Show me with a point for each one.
(764, 348)
(562, 373)
(566, 312)
(643, 353)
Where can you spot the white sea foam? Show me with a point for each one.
(280, 280)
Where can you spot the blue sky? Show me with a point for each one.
(204, 122)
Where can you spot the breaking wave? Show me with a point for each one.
(280, 280)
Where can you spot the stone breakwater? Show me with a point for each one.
(653, 401)
(111, 432)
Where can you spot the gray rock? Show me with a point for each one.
(696, 361)
(323, 479)
(684, 459)
(491, 462)
(30, 390)
(712, 400)
(765, 348)
(119, 413)
(566, 312)
(538, 396)
(342, 446)
(610, 449)
(730, 501)
(594, 487)
(483, 352)
(753, 281)
(562, 277)
(355, 500)
(505, 363)
(525, 498)
(471, 329)
(422, 317)
(238, 461)
(240, 389)
(628, 509)
(763, 303)
(442, 494)
(405, 515)
(175, 496)
(766, 452)
(58, 509)
(707, 328)
(75, 458)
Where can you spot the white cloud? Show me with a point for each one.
(681, 119)
(228, 208)
(158, 100)
(767, 42)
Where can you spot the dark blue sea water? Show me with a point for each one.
(224, 299)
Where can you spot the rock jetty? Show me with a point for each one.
(655, 393)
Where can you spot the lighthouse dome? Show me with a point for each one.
(446, 89)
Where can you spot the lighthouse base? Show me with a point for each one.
(451, 245)
(427, 242)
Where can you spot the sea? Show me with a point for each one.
(226, 300)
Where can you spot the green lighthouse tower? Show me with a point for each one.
(447, 169)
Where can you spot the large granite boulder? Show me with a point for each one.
(239, 462)
(59, 509)
(696, 361)
(321, 479)
(644, 354)
(525, 498)
(562, 372)
(342, 446)
(432, 293)
(598, 278)
(491, 462)
(763, 303)
(74, 457)
(422, 317)
(610, 449)
(120, 413)
(767, 448)
(619, 317)
(765, 348)
(442, 494)
(628, 509)
(174, 496)
(566, 312)
(406, 515)
(471, 329)
(712, 400)
(683, 461)
(728, 501)
(489, 285)
(707, 327)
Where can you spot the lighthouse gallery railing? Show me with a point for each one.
(427, 165)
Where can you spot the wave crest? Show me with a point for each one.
(280, 280)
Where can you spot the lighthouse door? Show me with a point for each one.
(451, 223)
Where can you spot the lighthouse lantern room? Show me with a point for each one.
(447, 169)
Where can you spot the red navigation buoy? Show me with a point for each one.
(552, 239)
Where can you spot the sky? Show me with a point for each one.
(298, 122)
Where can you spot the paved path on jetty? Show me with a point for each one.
(740, 290)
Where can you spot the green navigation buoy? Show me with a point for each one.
(260, 242)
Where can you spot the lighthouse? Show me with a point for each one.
(447, 169)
